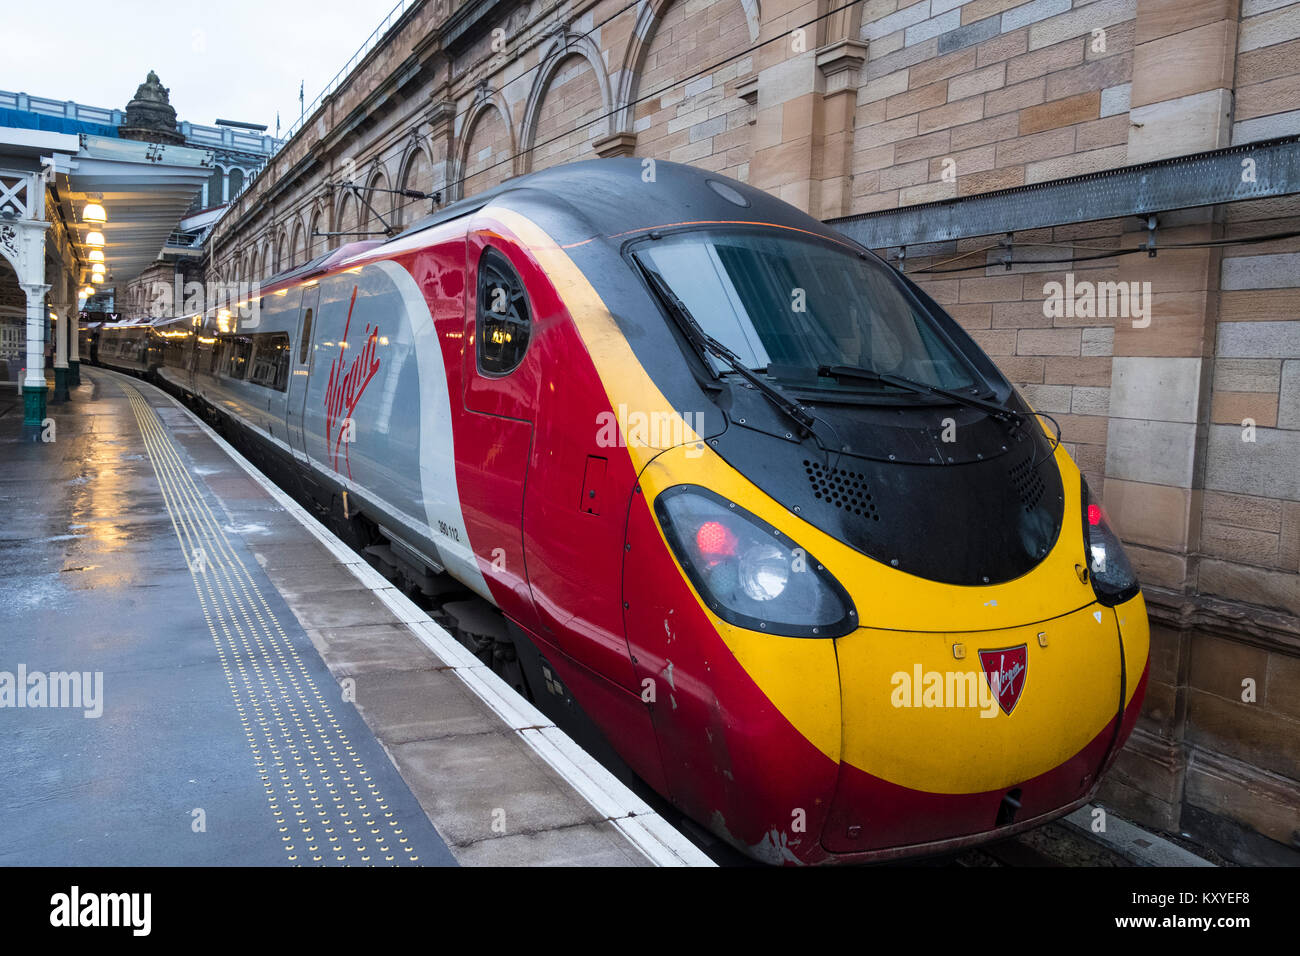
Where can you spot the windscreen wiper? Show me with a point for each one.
(706, 343)
(921, 388)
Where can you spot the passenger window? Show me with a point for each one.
(304, 344)
(270, 366)
(503, 320)
(240, 349)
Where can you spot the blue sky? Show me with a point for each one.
(237, 59)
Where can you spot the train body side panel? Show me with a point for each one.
(572, 515)
(377, 411)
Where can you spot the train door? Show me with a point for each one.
(300, 369)
(500, 381)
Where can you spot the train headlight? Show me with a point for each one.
(1112, 576)
(749, 573)
(764, 572)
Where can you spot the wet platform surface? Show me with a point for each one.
(264, 697)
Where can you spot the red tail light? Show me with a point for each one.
(1094, 515)
(715, 540)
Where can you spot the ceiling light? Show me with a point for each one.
(95, 239)
(96, 255)
(96, 279)
(93, 212)
(98, 268)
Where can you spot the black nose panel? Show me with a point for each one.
(846, 490)
(984, 519)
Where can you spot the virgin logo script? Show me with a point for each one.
(346, 386)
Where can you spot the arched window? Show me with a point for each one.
(214, 187)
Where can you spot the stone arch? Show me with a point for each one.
(561, 50)
(319, 222)
(648, 20)
(417, 173)
(380, 203)
(465, 174)
(346, 220)
(298, 245)
(281, 253)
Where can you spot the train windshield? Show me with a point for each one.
(791, 306)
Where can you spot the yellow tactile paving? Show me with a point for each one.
(326, 806)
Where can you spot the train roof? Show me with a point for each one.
(617, 196)
(605, 199)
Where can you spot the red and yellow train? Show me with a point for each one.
(752, 504)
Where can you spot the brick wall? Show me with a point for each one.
(703, 122)
(999, 93)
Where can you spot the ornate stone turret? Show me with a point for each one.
(150, 117)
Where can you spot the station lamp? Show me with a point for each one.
(95, 239)
(94, 212)
(96, 255)
(97, 279)
(97, 268)
(87, 292)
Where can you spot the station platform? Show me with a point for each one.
(194, 671)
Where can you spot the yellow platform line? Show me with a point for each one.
(259, 606)
(278, 693)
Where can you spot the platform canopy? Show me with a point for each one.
(145, 190)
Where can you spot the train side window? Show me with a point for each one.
(503, 321)
(305, 341)
(270, 365)
(239, 350)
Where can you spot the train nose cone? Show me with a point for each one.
(952, 735)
